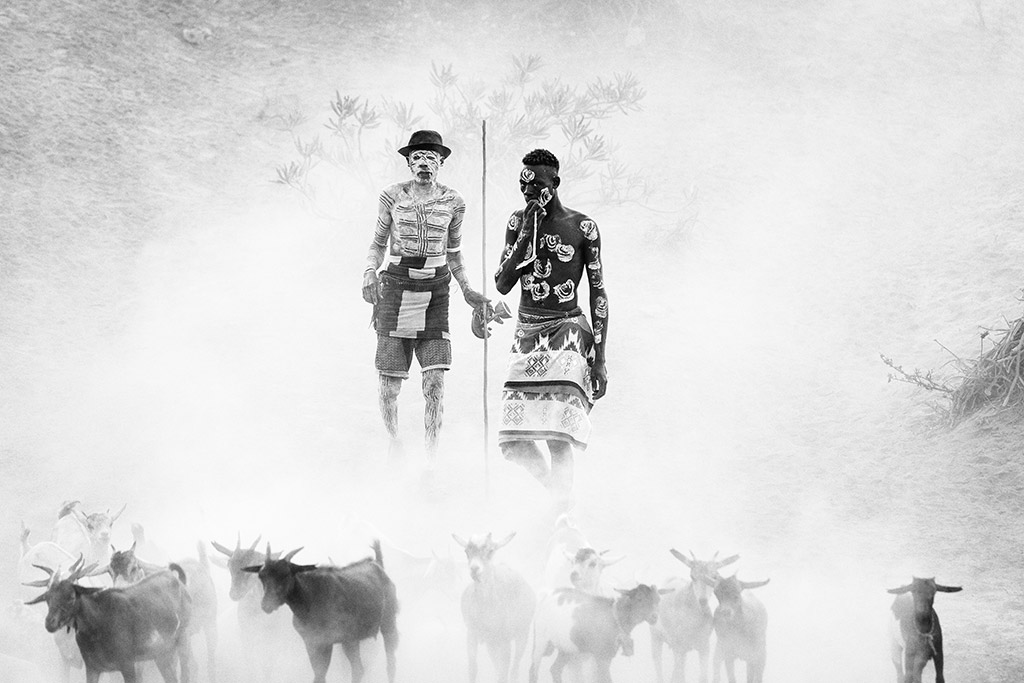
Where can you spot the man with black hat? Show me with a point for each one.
(421, 220)
(557, 364)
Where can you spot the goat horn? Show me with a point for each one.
(253, 546)
(41, 583)
(44, 568)
(114, 518)
(221, 549)
(503, 542)
(692, 556)
(290, 555)
(238, 542)
(729, 560)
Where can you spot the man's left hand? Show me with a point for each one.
(599, 379)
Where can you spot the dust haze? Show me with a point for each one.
(827, 182)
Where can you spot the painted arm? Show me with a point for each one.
(375, 256)
(455, 260)
(598, 305)
(514, 254)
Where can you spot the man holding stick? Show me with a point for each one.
(422, 221)
(557, 364)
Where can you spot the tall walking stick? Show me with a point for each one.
(483, 290)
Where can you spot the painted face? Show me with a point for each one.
(538, 182)
(424, 165)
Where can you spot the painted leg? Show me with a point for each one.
(433, 396)
(388, 399)
(527, 455)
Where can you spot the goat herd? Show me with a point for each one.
(108, 610)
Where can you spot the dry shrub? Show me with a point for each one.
(985, 385)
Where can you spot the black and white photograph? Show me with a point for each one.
(479, 341)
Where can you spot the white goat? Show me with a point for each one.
(497, 607)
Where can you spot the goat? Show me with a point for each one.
(576, 623)
(741, 623)
(334, 605)
(261, 634)
(126, 568)
(84, 534)
(117, 627)
(919, 635)
(685, 619)
(497, 607)
(36, 566)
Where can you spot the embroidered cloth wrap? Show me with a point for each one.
(412, 307)
(548, 394)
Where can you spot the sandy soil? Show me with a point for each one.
(180, 334)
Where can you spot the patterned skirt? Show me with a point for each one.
(548, 395)
(413, 308)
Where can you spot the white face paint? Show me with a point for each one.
(424, 164)
(527, 175)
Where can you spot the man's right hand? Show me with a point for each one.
(371, 287)
(533, 208)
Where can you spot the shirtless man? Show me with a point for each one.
(557, 363)
(421, 219)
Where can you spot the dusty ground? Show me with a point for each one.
(178, 333)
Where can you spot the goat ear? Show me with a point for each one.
(746, 585)
(948, 589)
(682, 558)
(41, 583)
(460, 540)
(900, 590)
(253, 569)
(708, 580)
(36, 600)
(221, 549)
(504, 542)
(299, 568)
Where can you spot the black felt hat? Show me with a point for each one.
(425, 139)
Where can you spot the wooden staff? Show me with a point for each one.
(483, 290)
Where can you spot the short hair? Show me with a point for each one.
(541, 157)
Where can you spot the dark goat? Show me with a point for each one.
(685, 619)
(334, 605)
(117, 627)
(576, 623)
(126, 568)
(497, 607)
(919, 636)
(741, 623)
